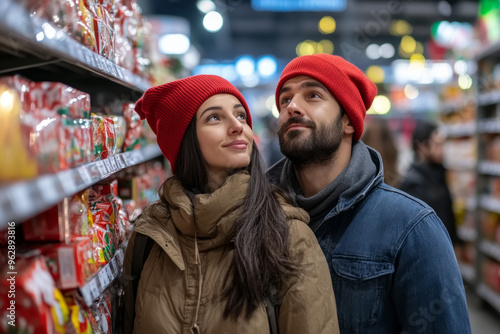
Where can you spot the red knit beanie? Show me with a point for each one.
(347, 83)
(169, 108)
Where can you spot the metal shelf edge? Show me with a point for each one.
(24, 199)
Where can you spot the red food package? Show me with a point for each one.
(50, 225)
(26, 298)
(134, 128)
(79, 318)
(80, 216)
(69, 263)
(103, 137)
(84, 27)
(60, 98)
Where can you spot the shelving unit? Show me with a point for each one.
(487, 282)
(21, 200)
(35, 49)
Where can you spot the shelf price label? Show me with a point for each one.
(85, 175)
(103, 278)
(112, 160)
(47, 187)
(102, 168)
(108, 165)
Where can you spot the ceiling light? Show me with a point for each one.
(174, 44)
(213, 21)
(205, 6)
(372, 51)
(266, 66)
(245, 66)
(386, 50)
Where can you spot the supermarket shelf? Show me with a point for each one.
(487, 98)
(461, 164)
(489, 167)
(460, 130)
(30, 41)
(99, 282)
(489, 295)
(488, 51)
(491, 249)
(467, 233)
(489, 126)
(468, 272)
(490, 203)
(21, 200)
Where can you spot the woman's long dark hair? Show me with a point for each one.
(261, 234)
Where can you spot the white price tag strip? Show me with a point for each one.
(112, 160)
(110, 275)
(102, 168)
(87, 294)
(85, 175)
(103, 278)
(108, 165)
(18, 194)
(68, 182)
(94, 288)
(46, 186)
(121, 163)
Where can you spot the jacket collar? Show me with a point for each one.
(346, 201)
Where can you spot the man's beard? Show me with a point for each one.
(315, 149)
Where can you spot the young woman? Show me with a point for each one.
(223, 238)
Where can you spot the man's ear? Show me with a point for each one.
(348, 127)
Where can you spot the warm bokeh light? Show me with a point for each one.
(381, 105)
(326, 46)
(6, 101)
(400, 28)
(464, 81)
(305, 48)
(408, 44)
(375, 74)
(327, 25)
(275, 111)
(411, 92)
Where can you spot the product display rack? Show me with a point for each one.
(37, 50)
(31, 46)
(22, 200)
(460, 161)
(487, 264)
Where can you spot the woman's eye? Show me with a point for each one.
(213, 118)
(242, 115)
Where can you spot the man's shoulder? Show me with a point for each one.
(389, 201)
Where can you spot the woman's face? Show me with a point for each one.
(224, 136)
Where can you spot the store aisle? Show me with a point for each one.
(484, 319)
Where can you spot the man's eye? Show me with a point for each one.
(285, 100)
(242, 115)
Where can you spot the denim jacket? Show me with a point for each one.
(392, 264)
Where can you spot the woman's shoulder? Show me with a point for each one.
(292, 212)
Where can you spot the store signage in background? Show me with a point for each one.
(297, 6)
(424, 73)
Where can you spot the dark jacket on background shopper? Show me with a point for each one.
(167, 295)
(427, 182)
(392, 267)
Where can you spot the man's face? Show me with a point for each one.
(311, 125)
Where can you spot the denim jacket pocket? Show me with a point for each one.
(359, 290)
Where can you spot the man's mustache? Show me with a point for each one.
(296, 120)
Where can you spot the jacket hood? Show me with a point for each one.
(212, 215)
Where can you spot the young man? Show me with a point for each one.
(426, 177)
(392, 264)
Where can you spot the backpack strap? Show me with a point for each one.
(142, 248)
(273, 307)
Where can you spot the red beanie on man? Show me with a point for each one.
(169, 108)
(347, 83)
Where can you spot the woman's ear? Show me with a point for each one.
(348, 127)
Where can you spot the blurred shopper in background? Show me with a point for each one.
(379, 136)
(222, 238)
(392, 263)
(426, 177)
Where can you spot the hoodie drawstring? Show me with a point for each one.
(195, 328)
